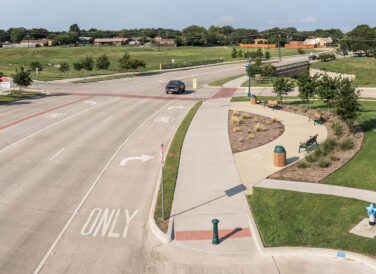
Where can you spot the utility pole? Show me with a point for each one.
(279, 47)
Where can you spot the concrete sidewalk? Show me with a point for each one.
(256, 164)
(208, 185)
(347, 192)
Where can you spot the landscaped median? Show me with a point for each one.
(16, 96)
(170, 170)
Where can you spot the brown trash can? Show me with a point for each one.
(253, 100)
(279, 156)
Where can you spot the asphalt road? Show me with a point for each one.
(79, 168)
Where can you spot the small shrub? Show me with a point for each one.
(274, 120)
(337, 128)
(236, 113)
(324, 163)
(241, 140)
(334, 158)
(311, 158)
(302, 164)
(246, 116)
(235, 121)
(258, 128)
(251, 136)
(237, 129)
(319, 152)
(328, 146)
(346, 144)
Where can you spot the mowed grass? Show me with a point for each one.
(170, 170)
(286, 218)
(360, 172)
(221, 82)
(14, 96)
(266, 82)
(363, 67)
(10, 59)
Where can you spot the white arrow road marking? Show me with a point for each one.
(143, 158)
(164, 120)
(92, 103)
(177, 107)
(57, 154)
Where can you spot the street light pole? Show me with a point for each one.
(249, 77)
(279, 47)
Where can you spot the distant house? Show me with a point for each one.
(85, 40)
(312, 41)
(325, 42)
(164, 42)
(300, 45)
(261, 41)
(36, 43)
(110, 41)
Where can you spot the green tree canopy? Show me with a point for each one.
(22, 78)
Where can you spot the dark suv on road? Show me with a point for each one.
(175, 86)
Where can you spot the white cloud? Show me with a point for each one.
(309, 19)
(227, 19)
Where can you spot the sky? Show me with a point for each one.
(176, 14)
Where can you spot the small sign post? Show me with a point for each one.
(194, 84)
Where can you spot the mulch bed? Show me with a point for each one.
(338, 158)
(247, 131)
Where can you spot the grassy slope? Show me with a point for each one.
(171, 169)
(152, 56)
(267, 82)
(287, 218)
(221, 82)
(363, 67)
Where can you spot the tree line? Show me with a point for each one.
(190, 36)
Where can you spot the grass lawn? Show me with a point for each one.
(5, 99)
(221, 82)
(286, 218)
(363, 67)
(13, 58)
(261, 98)
(360, 172)
(170, 170)
(265, 82)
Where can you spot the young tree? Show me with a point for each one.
(135, 64)
(124, 62)
(77, 66)
(267, 55)
(326, 88)
(281, 86)
(240, 53)
(87, 63)
(346, 102)
(36, 65)
(234, 53)
(103, 63)
(64, 68)
(22, 79)
(307, 86)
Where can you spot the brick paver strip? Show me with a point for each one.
(207, 235)
(225, 93)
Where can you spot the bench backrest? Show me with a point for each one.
(311, 140)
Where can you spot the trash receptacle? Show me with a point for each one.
(279, 156)
(253, 100)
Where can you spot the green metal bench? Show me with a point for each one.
(309, 143)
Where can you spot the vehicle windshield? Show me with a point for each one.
(174, 82)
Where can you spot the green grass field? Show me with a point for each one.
(286, 218)
(265, 82)
(13, 58)
(221, 82)
(363, 67)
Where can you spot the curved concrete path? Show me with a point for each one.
(257, 164)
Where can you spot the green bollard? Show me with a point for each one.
(215, 240)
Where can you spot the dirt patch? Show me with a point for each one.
(328, 158)
(247, 131)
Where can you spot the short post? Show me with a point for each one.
(215, 240)
(161, 154)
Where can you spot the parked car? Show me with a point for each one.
(360, 53)
(313, 57)
(175, 86)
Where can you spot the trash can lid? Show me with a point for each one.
(279, 149)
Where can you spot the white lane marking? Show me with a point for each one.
(164, 120)
(177, 107)
(162, 81)
(65, 228)
(92, 103)
(57, 123)
(104, 221)
(108, 119)
(144, 158)
(57, 154)
(54, 115)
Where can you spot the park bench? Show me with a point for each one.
(309, 143)
(317, 118)
(272, 104)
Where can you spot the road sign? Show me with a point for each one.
(5, 85)
(194, 84)
(161, 154)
